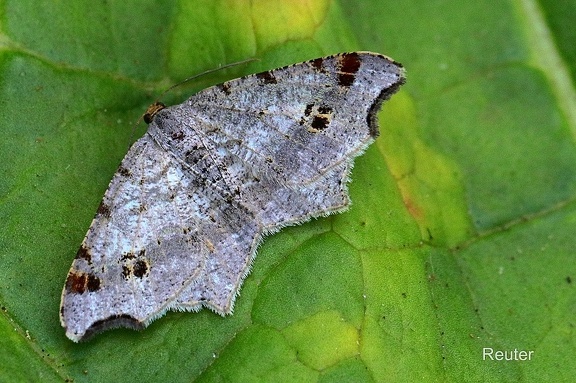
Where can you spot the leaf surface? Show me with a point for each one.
(460, 236)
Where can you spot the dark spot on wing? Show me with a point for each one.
(178, 136)
(126, 271)
(93, 283)
(83, 253)
(78, 282)
(316, 118)
(103, 210)
(224, 87)
(135, 264)
(140, 268)
(128, 255)
(349, 65)
(124, 172)
(317, 64)
(266, 77)
(320, 123)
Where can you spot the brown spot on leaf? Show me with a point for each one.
(413, 208)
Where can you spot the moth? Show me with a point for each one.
(180, 223)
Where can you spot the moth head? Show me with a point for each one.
(152, 111)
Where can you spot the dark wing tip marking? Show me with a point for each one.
(385, 94)
(113, 321)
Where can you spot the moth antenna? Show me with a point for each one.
(156, 106)
(203, 74)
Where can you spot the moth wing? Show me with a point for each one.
(285, 139)
(181, 220)
(153, 234)
(295, 123)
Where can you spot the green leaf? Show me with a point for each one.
(460, 236)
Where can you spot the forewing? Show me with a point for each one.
(156, 227)
(296, 123)
(285, 139)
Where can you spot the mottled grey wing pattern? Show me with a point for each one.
(154, 233)
(179, 225)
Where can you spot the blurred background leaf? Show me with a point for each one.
(461, 232)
